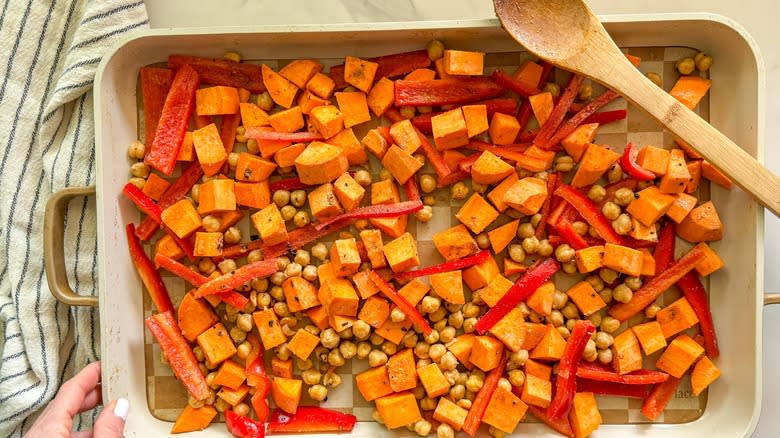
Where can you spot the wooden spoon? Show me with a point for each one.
(568, 34)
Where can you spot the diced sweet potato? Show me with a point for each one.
(286, 393)
(375, 311)
(677, 176)
(193, 419)
(511, 267)
(503, 129)
(501, 236)
(541, 300)
(704, 373)
(321, 85)
(381, 97)
(476, 119)
(586, 298)
(639, 231)
(690, 89)
(252, 168)
(216, 344)
(195, 317)
(289, 120)
(529, 73)
(510, 330)
(623, 259)
(318, 316)
(421, 74)
(401, 253)
(481, 274)
(216, 196)
(414, 291)
(496, 196)
(648, 262)
(345, 257)
(650, 336)
(589, 259)
(270, 330)
(537, 369)
(168, 247)
(709, 172)
(233, 396)
(215, 101)
(577, 142)
(354, 106)
(654, 159)
(710, 263)
(550, 347)
(252, 115)
(490, 169)
(308, 101)
(209, 149)
(536, 391)
(449, 413)
(405, 136)
(495, 290)
(321, 163)
(303, 343)
(269, 147)
(155, 186)
(526, 195)
(486, 352)
(402, 371)
(454, 243)
(681, 353)
(255, 195)
(207, 244)
(649, 205)
(324, 203)
(701, 225)
(385, 192)
(349, 143)
(694, 170)
(300, 71)
(281, 90)
(230, 374)
(341, 322)
(461, 348)
(504, 411)
(348, 191)
(595, 162)
(584, 415)
(366, 288)
(374, 383)
(300, 294)
(449, 129)
(676, 317)
(327, 120)
(376, 143)
(452, 158)
(270, 225)
(401, 164)
(459, 62)
(626, 354)
(433, 380)
(681, 206)
(325, 273)
(359, 73)
(477, 213)
(449, 286)
(398, 409)
(394, 331)
(187, 149)
(542, 105)
(439, 65)
(339, 297)
(372, 241)
(392, 226)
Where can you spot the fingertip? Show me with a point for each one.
(122, 408)
(111, 422)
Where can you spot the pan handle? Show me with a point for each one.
(54, 246)
(771, 298)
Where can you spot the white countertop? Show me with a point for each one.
(757, 16)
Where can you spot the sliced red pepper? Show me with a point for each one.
(566, 380)
(549, 128)
(223, 72)
(241, 249)
(556, 240)
(604, 117)
(243, 427)
(143, 202)
(659, 397)
(628, 164)
(466, 163)
(412, 189)
(657, 285)
(478, 408)
(664, 250)
(525, 112)
(611, 388)
(175, 192)
(296, 239)
(524, 286)
(233, 298)
(155, 83)
(563, 213)
(553, 180)
(452, 178)
(292, 137)
(576, 120)
(605, 373)
(184, 244)
(178, 353)
(256, 375)
(287, 184)
(401, 302)
(310, 419)
(694, 292)
(570, 236)
(435, 158)
(453, 265)
(509, 83)
(389, 66)
(560, 425)
(374, 211)
(232, 280)
(438, 92)
(146, 270)
(173, 121)
(590, 213)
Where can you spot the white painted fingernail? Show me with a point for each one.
(121, 408)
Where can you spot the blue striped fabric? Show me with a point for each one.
(48, 59)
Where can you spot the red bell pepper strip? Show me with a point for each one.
(567, 233)
(178, 352)
(612, 388)
(173, 121)
(435, 158)
(664, 250)
(576, 120)
(310, 419)
(590, 213)
(466, 163)
(256, 375)
(560, 425)
(176, 191)
(693, 291)
(146, 270)
(452, 178)
(232, 280)
(534, 277)
(401, 302)
(375, 211)
(241, 249)
(628, 164)
(389, 66)
(566, 380)
(659, 397)
(143, 202)
(657, 285)
(549, 128)
(604, 373)
(223, 72)
(243, 427)
(292, 137)
(296, 239)
(604, 117)
(287, 184)
(438, 92)
(563, 213)
(478, 408)
(452, 265)
(233, 298)
(525, 112)
(155, 83)
(553, 180)
(423, 122)
(412, 189)
(509, 83)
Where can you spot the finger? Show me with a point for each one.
(81, 434)
(92, 399)
(111, 422)
(71, 395)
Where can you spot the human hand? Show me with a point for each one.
(79, 394)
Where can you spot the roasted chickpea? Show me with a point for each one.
(140, 170)
(435, 50)
(685, 66)
(136, 150)
(362, 177)
(654, 78)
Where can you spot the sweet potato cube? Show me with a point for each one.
(454, 243)
(711, 173)
(300, 71)
(216, 196)
(215, 101)
(233, 396)
(529, 73)
(476, 119)
(490, 169)
(450, 413)
(286, 393)
(372, 241)
(182, 218)
(439, 66)
(504, 410)
(676, 317)
(230, 374)
(375, 311)
(374, 383)
(207, 244)
(366, 288)
(596, 160)
(195, 317)
(401, 253)
(584, 415)
(376, 143)
(577, 142)
(449, 129)
(321, 85)
(318, 316)
(682, 205)
(510, 330)
(345, 257)
(623, 259)
(649, 205)
(385, 192)
(252, 115)
(325, 273)
(710, 263)
(626, 354)
(486, 352)
(209, 149)
(354, 107)
(586, 298)
(538, 369)
(339, 297)
(155, 186)
(654, 159)
(398, 409)
(303, 343)
(381, 97)
(308, 101)
(534, 332)
(187, 149)
(193, 419)
(681, 353)
(401, 164)
(353, 149)
(321, 163)
(536, 152)
(289, 120)
(511, 267)
(341, 322)
(541, 300)
(348, 191)
(392, 226)
(650, 336)
(496, 196)
(677, 176)
(526, 195)
(459, 62)
(449, 286)
(501, 236)
(414, 291)
(402, 370)
(394, 331)
(281, 90)
(550, 347)
(704, 373)
(701, 225)
(433, 380)
(327, 120)
(694, 169)
(255, 195)
(452, 157)
(481, 274)
(477, 213)
(324, 203)
(536, 391)
(648, 262)
(216, 344)
(270, 225)
(270, 330)
(503, 129)
(639, 231)
(542, 105)
(359, 73)
(405, 136)
(300, 294)
(461, 348)
(589, 259)
(268, 148)
(690, 89)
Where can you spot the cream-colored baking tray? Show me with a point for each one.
(735, 107)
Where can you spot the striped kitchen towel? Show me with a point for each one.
(50, 51)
